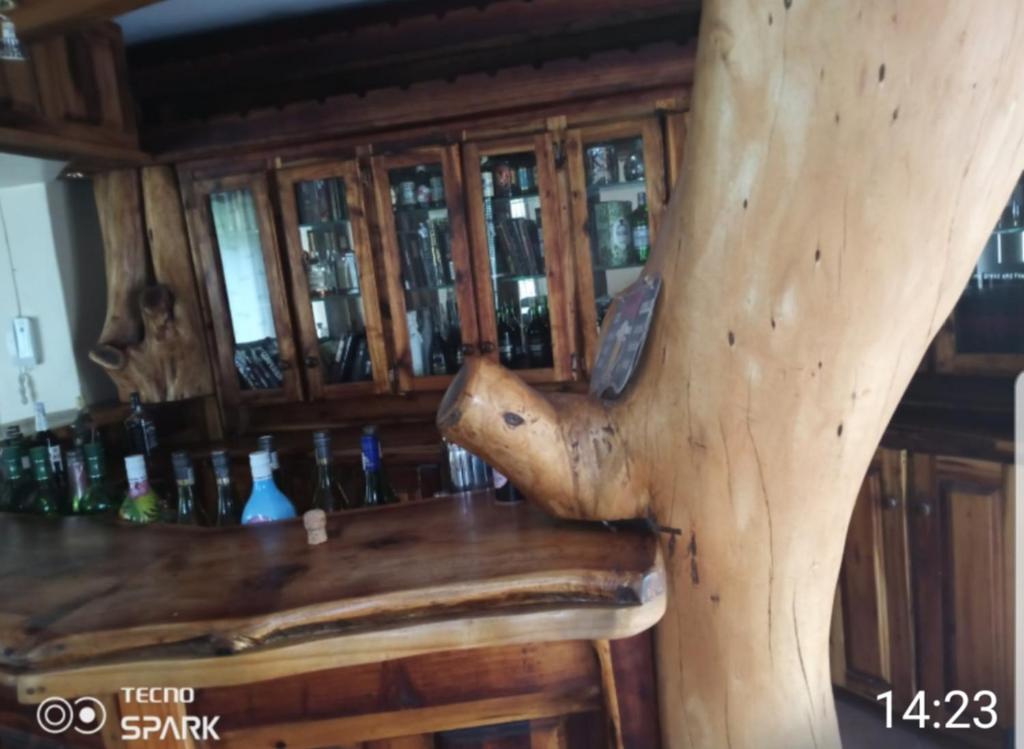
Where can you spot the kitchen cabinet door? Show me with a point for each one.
(876, 652)
(617, 181)
(232, 227)
(426, 258)
(333, 280)
(961, 533)
(519, 258)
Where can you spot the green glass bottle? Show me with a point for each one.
(46, 496)
(142, 504)
(16, 491)
(641, 233)
(328, 495)
(78, 482)
(98, 499)
(378, 491)
(227, 507)
(185, 478)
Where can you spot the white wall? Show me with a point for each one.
(51, 269)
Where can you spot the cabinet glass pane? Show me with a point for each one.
(989, 318)
(515, 248)
(332, 272)
(617, 203)
(428, 272)
(240, 248)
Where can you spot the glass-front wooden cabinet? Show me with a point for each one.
(333, 281)
(617, 181)
(426, 257)
(232, 227)
(518, 258)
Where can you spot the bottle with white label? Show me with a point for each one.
(46, 438)
(142, 504)
(266, 504)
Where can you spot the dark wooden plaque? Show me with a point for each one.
(625, 336)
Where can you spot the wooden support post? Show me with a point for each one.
(845, 164)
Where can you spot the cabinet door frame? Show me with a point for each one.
(555, 261)
(200, 223)
(314, 369)
(949, 361)
(447, 156)
(648, 128)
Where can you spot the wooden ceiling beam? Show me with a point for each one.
(37, 18)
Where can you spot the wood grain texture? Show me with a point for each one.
(167, 359)
(279, 607)
(795, 307)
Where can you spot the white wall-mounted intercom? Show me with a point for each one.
(23, 342)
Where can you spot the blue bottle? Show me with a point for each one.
(266, 503)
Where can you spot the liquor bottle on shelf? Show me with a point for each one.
(538, 339)
(45, 438)
(266, 504)
(78, 482)
(83, 429)
(515, 325)
(46, 497)
(13, 440)
(98, 499)
(227, 507)
(16, 492)
(641, 234)
(266, 444)
(140, 429)
(378, 491)
(504, 490)
(185, 479)
(142, 504)
(438, 362)
(437, 191)
(506, 344)
(328, 495)
(417, 346)
(422, 187)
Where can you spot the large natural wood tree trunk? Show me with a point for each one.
(846, 162)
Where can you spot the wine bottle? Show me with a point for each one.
(46, 496)
(78, 481)
(378, 491)
(12, 439)
(535, 338)
(16, 493)
(266, 444)
(142, 504)
(83, 429)
(266, 503)
(227, 507)
(328, 495)
(506, 345)
(515, 325)
(185, 478)
(641, 233)
(422, 187)
(45, 438)
(438, 363)
(98, 499)
(140, 429)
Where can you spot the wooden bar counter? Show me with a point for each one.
(89, 607)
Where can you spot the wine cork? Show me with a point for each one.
(316, 526)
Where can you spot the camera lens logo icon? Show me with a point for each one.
(57, 715)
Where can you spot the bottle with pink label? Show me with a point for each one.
(266, 503)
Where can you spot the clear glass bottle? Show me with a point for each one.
(328, 495)
(78, 481)
(46, 496)
(185, 479)
(266, 503)
(377, 490)
(98, 499)
(45, 438)
(140, 428)
(142, 504)
(227, 507)
(83, 429)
